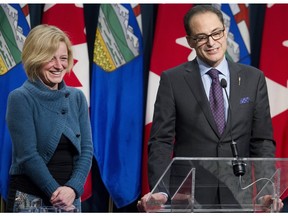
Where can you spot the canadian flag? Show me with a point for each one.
(170, 49)
(70, 19)
(274, 64)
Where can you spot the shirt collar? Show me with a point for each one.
(222, 67)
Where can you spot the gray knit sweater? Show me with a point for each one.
(37, 117)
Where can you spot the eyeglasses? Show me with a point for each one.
(203, 38)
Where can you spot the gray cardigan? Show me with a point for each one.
(37, 117)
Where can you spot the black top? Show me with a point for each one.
(60, 167)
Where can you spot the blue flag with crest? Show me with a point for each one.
(236, 20)
(117, 116)
(14, 27)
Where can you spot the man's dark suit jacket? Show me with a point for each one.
(183, 125)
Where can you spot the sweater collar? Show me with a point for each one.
(39, 89)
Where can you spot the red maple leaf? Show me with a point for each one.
(71, 79)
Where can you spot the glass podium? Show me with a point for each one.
(213, 185)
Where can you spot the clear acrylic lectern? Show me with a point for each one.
(210, 185)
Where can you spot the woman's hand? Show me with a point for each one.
(63, 197)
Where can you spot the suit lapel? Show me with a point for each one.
(193, 79)
(234, 96)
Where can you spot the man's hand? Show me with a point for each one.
(151, 202)
(268, 203)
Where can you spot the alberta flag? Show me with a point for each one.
(14, 27)
(117, 100)
(236, 20)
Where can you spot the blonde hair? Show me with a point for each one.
(40, 45)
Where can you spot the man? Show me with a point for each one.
(184, 124)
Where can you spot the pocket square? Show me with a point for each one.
(244, 100)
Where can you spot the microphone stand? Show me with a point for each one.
(239, 167)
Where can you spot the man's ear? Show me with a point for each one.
(190, 41)
(226, 33)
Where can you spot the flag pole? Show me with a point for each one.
(110, 206)
(2, 205)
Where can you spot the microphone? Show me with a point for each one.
(238, 165)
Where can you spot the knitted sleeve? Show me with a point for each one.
(26, 160)
(84, 161)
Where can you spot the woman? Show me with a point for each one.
(49, 127)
